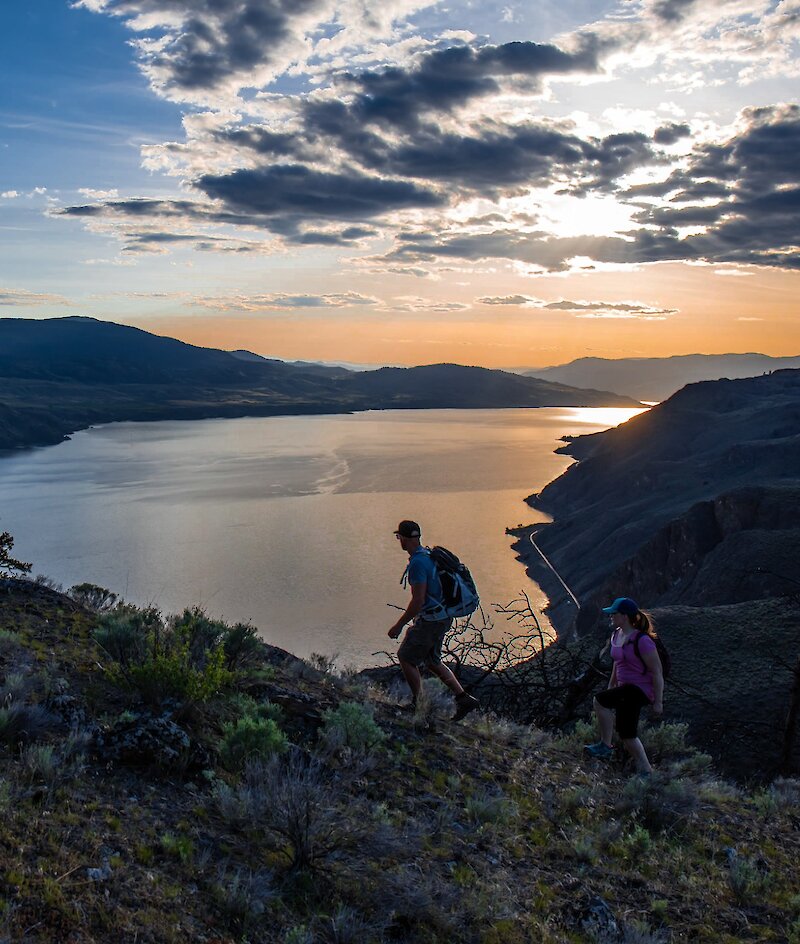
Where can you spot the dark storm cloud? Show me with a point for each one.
(755, 180)
(670, 134)
(672, 11)
(295, 190)
(490, 159)
(446, 78)
(754, 177)
(204, 43)
(184, 212)
(261, 141)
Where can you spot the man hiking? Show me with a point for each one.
(423, 642)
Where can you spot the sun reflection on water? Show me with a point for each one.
(607, 416)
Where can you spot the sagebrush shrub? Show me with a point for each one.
(184, 659)
(93, 597)
(290, 798)
(20, 724)
(39, 763)
(786, 793)
(242, 645)
(347, 926)
(584, 732)
(490, 806)
(666, 740)
(660, 804)
(244, 894)
(127, 633)
(351, 725)
(747, 882)
(250, 737)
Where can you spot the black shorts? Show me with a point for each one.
(423, 641)
(628, 701)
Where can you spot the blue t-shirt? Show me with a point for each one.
(421, 569)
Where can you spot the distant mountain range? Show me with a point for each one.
(656, 378)
(63, 374)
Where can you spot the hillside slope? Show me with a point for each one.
(632, 481)
(130, 811)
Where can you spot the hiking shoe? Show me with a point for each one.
(600, 749)
(464, 704)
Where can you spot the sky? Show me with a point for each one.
(503, 184)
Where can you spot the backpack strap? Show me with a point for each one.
(638, 654)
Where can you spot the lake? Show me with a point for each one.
(287, 522)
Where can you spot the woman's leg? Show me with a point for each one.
(636, 749)
(605, 718)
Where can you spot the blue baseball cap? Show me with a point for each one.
(623, 605)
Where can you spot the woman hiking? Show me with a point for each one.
(637, 679)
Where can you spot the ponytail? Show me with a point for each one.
(644, 624)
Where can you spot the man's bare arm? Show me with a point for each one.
(418, 593)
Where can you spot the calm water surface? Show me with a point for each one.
(287, 521)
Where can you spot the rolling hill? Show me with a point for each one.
(63, 374)
(656, 378)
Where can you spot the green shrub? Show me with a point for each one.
(172, 675)
(747, 882)
(351, 725)
(184, 660)
(9, 639)
(128, 633)
(250, 737)
(490, 806)
(197, 633)
(93, 597)
(584, 732)
(634, 846)
(242, 645)
(660, 804)
(241, 705)
(667, 740)
(24, 723)
(178, 847)
(243, 895)
(39, 763)
(585, 848)
(786, 793)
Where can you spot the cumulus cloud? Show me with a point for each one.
(373, 137)
(191, 49)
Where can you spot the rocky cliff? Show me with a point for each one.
(649, 499)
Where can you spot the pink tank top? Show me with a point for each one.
(630, 668)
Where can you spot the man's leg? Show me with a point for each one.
(412, 677)
(440, 670)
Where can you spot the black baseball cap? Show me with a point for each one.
(408, 529)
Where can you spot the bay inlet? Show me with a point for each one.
(287, 522)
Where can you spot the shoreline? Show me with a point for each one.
(560, 610)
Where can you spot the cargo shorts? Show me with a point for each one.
(423, 642)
